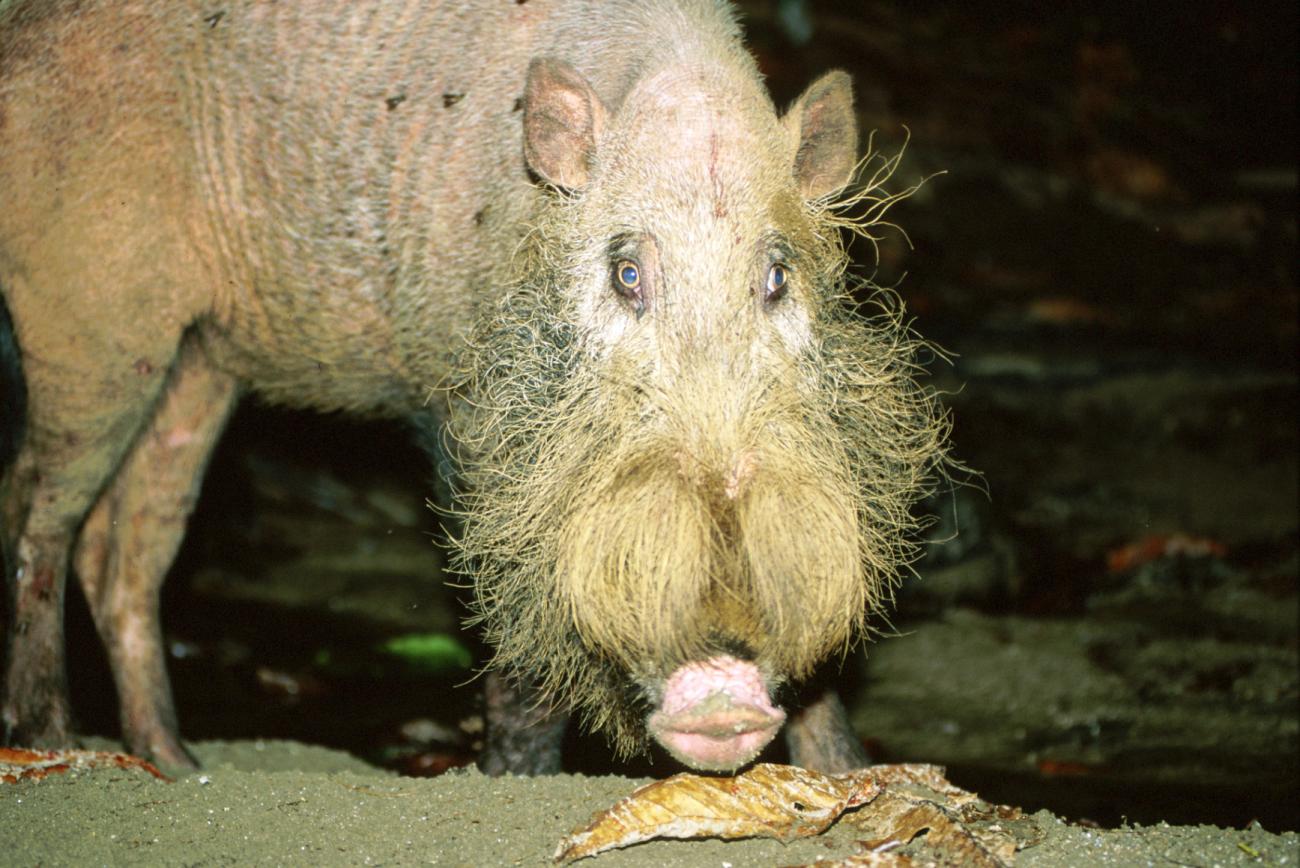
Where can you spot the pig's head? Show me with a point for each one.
(689, 465)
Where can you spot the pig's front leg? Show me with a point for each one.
(821, 738)
(524, 732)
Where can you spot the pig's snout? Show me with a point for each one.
(716, 715)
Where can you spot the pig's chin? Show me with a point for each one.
(715, 715)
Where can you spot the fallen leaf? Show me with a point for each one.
(771, 801)
(289, 687)
(896, 805)
(1156, 546)
(1063, 768)
(19, 764)
(930, 777)
(946, 835)
(958, 828)
(1057, 310)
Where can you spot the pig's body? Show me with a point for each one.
(321, 202)
(318, 186)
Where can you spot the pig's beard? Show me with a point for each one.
(609, 539)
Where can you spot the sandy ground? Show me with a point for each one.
(272, 803)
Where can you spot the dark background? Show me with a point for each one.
(1108, 260)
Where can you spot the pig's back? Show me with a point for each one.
(362, 167)
(324, 183)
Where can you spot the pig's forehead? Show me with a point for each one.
(695, 128)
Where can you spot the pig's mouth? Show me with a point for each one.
(716, 715)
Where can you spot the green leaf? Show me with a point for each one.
(430, 652)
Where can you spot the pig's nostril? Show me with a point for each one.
(715, 714)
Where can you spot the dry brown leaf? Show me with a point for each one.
(20, 764)
(901, 803)
(959, 828)
(945, 835)
(771, 801)
(931, 777)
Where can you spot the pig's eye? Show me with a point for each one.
(778, 280)
(628, 276)
(628, 283)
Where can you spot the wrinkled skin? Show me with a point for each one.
(579, 233)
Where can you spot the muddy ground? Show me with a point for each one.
(1105, 625)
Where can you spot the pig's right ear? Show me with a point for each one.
(563, 118)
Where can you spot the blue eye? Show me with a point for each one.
(628, 274)
(778, 277)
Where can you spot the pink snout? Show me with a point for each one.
(716, 715)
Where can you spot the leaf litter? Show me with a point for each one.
(20, 764)
(890, 805)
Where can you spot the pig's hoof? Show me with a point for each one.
(167, 752)
(716, 715)
(51, 734)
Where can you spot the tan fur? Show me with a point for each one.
(327, 202)
(598, 530)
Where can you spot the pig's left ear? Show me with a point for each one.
(827, 134)
(563, 118)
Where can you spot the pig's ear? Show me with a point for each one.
(827, 134)
(563, 118)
